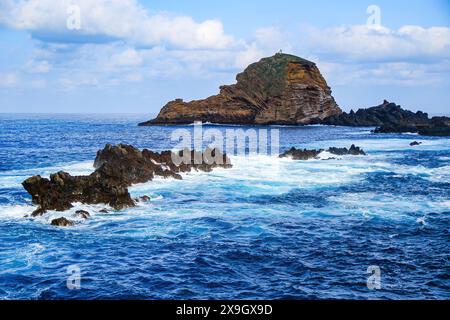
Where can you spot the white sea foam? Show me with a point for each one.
(13, 178)
(388, 205)
(13, 212)
(258, 174)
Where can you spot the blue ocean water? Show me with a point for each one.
(268, 228)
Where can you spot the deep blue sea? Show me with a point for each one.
(268, 228)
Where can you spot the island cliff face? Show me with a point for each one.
(282, 89)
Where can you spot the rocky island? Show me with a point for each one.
(288, 90)
(282, 89)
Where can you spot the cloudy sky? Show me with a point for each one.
(133, 56)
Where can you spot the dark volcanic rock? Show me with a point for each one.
(386, 114)
(61, 190)
(297, 154)
(62, 222)
(282, 89)
(354, 151)
(438, 126)
(82, 214)
(391, 118)
(117, 168)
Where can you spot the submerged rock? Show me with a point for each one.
(298, 154)
(62, 222)
(282, 89)
(305, 154)
(144, 199)
(117, 168)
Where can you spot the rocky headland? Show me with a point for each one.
(116, 169)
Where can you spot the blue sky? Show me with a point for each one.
(134, 56)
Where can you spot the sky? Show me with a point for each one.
(130, 56)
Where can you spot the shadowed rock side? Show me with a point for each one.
(117, 168)
(305, 154)
(391, 118)
(282, 89)
(436, 126)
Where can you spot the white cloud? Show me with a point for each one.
(34, 66)
(112, 19)
(8, 80)
(363, 43)
(273, 39)
(129, 57)
(266, 41)
(360, 54)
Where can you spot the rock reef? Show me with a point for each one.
(282, 89)
(305, 154)
(116, 168)
(392, 118)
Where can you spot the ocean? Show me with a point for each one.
(268, 228)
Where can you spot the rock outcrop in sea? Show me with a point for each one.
(117, 168)
(305, 154)
(392, 118)
(282, 89)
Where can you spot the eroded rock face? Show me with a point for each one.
(305, 154)
(117, 168)
(282, 89)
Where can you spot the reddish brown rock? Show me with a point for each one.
(282, 89)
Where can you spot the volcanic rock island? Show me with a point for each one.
(288, 90)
